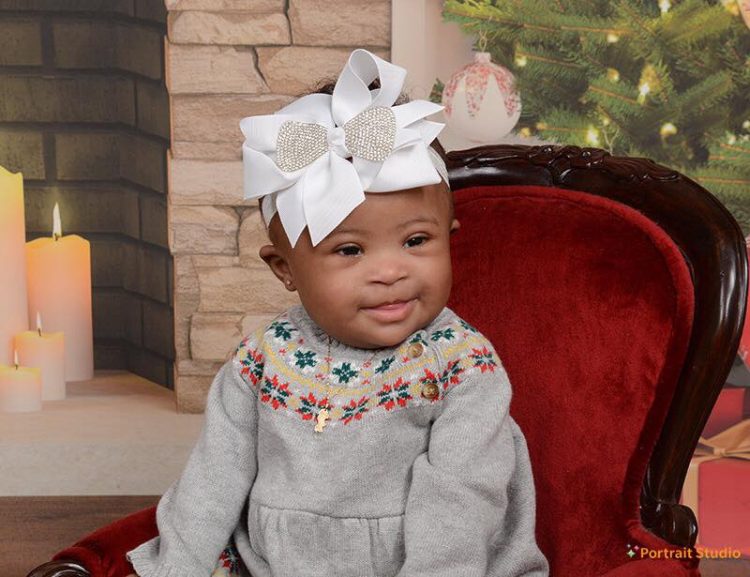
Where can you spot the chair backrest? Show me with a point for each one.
(614, 291)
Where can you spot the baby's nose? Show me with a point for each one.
(389, 271)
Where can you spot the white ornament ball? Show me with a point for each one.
(481, 101)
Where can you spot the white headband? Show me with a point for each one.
(268, 203)
(296, 157)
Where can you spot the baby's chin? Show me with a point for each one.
(382, 338)
(387, 337)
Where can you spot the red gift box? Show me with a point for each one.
(728, 410)
(744, 347)
(717, 489)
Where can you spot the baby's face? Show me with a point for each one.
(395, 246)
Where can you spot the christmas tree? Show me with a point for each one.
(667, 80)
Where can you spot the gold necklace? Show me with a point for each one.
(324, 414)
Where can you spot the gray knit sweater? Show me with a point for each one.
(418, 471)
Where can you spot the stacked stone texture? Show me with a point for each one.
(227, 59)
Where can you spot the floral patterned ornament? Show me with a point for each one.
(481, 101)
(476, 75)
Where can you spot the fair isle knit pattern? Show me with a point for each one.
(414, 469)
(266, 368)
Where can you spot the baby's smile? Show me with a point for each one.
(392, 312)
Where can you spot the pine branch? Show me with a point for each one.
(587, 64)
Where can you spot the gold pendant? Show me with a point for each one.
(321, 418)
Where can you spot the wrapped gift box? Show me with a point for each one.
(728, 410)
(744, 347)
(717, 485)
(724, 504)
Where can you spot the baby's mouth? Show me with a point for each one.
(391, 311)
(389, 305)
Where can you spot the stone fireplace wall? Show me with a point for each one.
(227, 59)
(84, 115)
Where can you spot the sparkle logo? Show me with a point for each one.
(632, 550)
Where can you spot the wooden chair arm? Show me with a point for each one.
(59, 568)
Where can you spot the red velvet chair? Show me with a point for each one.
(614, 290)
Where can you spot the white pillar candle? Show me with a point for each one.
(47, 352)
(59, 279)
(13, 316)
(20, 389)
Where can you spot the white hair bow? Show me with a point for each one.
(299, 154)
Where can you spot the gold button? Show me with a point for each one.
(415, 350)
(430, 391)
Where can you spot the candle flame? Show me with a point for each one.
(15, 357)
(39, 323)
(56, 224)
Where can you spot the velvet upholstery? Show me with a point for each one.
(102, 552)
(590, 307)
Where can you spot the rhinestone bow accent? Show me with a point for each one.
(370, 135)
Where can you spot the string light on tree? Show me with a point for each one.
(649, 83)
(643, 90)
(731, 7)
(667, 129)
(592, 136)
(613, 75)
(521, 60)
(664, 6)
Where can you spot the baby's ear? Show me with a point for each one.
(276, 261)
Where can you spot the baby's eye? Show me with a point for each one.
(416, 240)
(348, 250)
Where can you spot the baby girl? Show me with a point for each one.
(364, 432)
